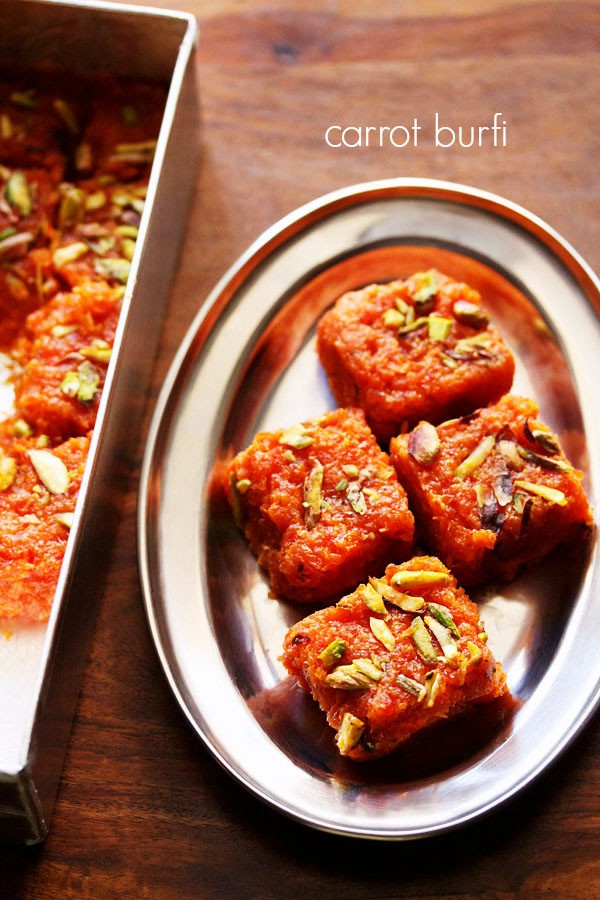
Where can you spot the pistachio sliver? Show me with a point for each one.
(424, 443)
(62, 256)
(472, 462)
(439, 328)
(470, 314)
(405, 602)
(444, 616)
(8, 472)
(117, 269)
(443, 636)
(419, 578)
(98, 351)
(382, 632)
(427, 286)
(18, 193)
(393, 318)
(333, 652)
(296, 437)
(475, 654)
(419, 322)
(542, 436)
(422, 640)
(312, 495)
(356, 498)
(433, 681)
(552, 495)
(351, 678)
(350, 732)
(409, 684)
(65, 518)
(372, 598)
(243, 485)
(51, 470)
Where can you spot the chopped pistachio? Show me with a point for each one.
(433, 681)
(369, 667)
(353, 677)
(333, 652)
(356, 498)
(545, 462)
(128, 248)
(420, 322)
(444, 637)
(439, 328)
(70, 206)
(296, 437)
(243, 485)
(448, 361)
(129, 231)
(62, 256)
(350, 732)
(418, 578)
(424, 443)
(382, 632)
(18, 193)
(312, 495)
(342, 484)
(541, 490)
(475, 653)
(422, 640)
(470, 313)
(351, 471)
(404, 307)
(7, 232)
(393, 318)
(508, 449)
(82, 384)
(22, 428)
(65, 518)
(372, 598)
(443, 615)
(8, 472)
(98, 351)
(475, 458)
(117, 269)
(95, 201)
(51, 470)
(103, 246)
(427, 286)
(409, 684)
(483, 636)
(405, 602)
(67, 114)
(542, 436)
(289, 456)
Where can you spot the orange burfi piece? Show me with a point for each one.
(422, 348)
(492, 491)
(320, 505)
(38, 492)
(395, 656)
(64, 354)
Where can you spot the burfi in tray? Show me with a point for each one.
(390, 659)
(320, 505)
(422, 348)
(491, 491)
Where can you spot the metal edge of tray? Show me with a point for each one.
(199, 331)
(27, 793)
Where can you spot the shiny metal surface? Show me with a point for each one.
(249, 363)
(41, 665)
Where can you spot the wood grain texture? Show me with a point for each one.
(143, 810)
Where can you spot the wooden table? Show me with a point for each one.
(143, 810)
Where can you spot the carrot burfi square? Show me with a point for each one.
(390, 659)
(320, 505)
(492, 491)
(422, 348)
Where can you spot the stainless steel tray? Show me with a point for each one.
(249, 363)
(41, 665)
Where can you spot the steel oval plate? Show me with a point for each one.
(248, 363)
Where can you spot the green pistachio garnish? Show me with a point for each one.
(439, 328)
(359, 675)
(65, 519)
(420, 322)
(18, 193)
(356, 498)
(393, 318)
(424, 443)
(95, 201)
(312, 495)
(542, 436)
(382, 632)
(545, 462)
(103, 245)
(470, 314)
(22, 429)
(475, 458)
(405, 602)
(508, 449)
(81, 384)
(444, 616)
(422, 640)
(433, 681)
(427, 286)
(8, 472)
(342, 484)
(98, 351)
(444, 637)
(62, 256)
(370, 667)
(51, 470)
(70, 206)
(372, 598)
(419, 578)
(541, 490)
(65, 111)
(117, 269)
(243, 485)
(296, 437)
(351, 471)
(333, 652)
(475, 654)
(350, 732)
(127, 248)
(288, 455)
(410, 685)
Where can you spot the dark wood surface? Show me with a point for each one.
(143, 810)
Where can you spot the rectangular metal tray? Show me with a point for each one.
(41, 665)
